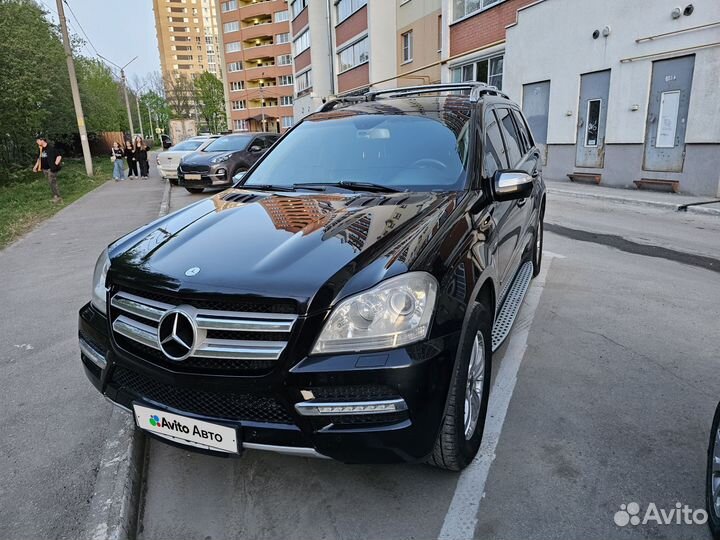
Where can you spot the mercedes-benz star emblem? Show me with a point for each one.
(177, 334)
(190, 272)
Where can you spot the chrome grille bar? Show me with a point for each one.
(133, 307)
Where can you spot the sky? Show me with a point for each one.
(118, 29)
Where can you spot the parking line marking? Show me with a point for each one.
(462, 515)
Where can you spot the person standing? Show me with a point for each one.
(49, 162)
(141, 154)
(116, 157)
(131, 160)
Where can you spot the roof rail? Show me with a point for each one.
(476, 89)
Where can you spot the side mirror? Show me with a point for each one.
(513, 185)
(255, 149)
(239, 176)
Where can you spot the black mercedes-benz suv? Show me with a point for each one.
(344, 299)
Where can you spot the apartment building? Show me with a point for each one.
(474, 39)
(341, 47)
(187, 36)
(255, 40)
(419, 41)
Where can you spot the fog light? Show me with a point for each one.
(310, 408)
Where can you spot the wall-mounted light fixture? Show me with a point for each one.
(635, 107)
(676, 13)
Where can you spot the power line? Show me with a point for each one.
(81, 27)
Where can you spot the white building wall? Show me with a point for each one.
(552, 40)
(382, 26)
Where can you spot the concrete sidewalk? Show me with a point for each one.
(54, 423)
(656, 199)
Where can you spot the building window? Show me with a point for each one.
(229, 6)
(241, 125)
(286, 80)
(238, 105)
(303, 81)
(296, 6)
(282, 16)
(232, 67)
(345, 8)
(354, 55)
(302, 42)
(466, 7)
(287, 121)
(407, 47)
(282, 38)
(284, 60)
(440, 32)
(231, 27)
(286, 101)
(236, 86)
(235, 46)
(487, 70)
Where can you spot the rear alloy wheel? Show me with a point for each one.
(712, 483)
(462, 427)
(195, 189)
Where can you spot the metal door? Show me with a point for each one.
(536, 106)
(667, 114)
(592, 117)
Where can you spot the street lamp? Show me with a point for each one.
(124, 85)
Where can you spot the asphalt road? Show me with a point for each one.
(52, 421)
(602, 396)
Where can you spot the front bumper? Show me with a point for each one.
(168, 173)
(279, 411)
(213, 176)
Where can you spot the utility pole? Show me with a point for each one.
(152, 131)
(124, 85)
(75, 92)
(137, 103)
(127, 102)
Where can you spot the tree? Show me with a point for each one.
(152, 101)
(210, 97)
(34, 84)
(100, 93)
(180, 94)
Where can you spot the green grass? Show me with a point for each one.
(26, 200)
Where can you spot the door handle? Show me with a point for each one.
(521, 202)
(535, 173)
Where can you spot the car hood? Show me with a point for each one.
(310, 248)
(201, 158)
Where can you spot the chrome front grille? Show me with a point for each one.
(223, 335)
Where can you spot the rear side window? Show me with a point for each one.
(494, 152)
(512, 139)
(523, 131)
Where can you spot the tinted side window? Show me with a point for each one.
(523, 131)
(512, 139)
(494, 152)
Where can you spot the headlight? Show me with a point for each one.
(220, 159)
(392, 314)
(99, 292)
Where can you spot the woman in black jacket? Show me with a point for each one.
(141, 155)
(131, 160)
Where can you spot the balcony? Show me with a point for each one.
(261, 61)
(250, 22)
(261, 41)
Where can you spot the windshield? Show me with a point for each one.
(187, 146)
(231, 143)
(417, 153)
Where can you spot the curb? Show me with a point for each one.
(114, 507)
(115, 502)
(633, 202)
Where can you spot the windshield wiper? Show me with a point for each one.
(352, 186)
(266, 187)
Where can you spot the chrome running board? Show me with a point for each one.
(510, 308)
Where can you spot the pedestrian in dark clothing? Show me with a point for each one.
(49, 162)
(131, 160)
(117, 156)
(141, 155)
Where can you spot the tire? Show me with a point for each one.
(538, 241)
(713, 450)
(457, 442)
(195, 189)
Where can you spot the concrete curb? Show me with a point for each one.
(631, 201)
(114, 506)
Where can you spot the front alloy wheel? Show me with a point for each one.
(474, 388)
(712, 484)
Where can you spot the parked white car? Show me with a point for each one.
(169, 160)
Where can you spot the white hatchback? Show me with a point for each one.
(169, 160)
